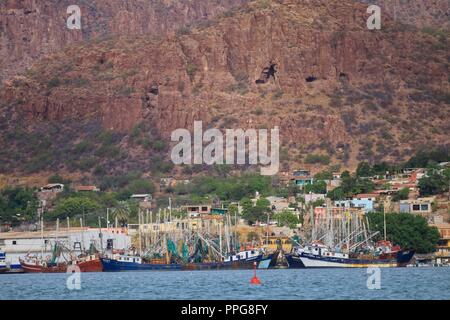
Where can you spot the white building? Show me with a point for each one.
(19, 244)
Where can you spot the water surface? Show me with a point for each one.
(346, 284)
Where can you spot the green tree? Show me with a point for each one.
(287, 218)
(324, 175)
(364, 170)
(74, 206)
(122, 213)
(17, 204)
(434, 183)
(402, 194)
(407, 230)
(319, 186)
(141, 186)
(258, 212)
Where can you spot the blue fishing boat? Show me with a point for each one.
(241, 260)
(135, 263)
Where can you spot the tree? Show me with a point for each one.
(336, 194)
(403, 194)
(74, 206)
(17, 204)
(324, 175)
(258, 212)
(407, 230)
(122, 213)
(317, 187)
(287, 218)
(434, 183)
(364, 170)
(141, 186)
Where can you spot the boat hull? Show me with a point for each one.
(238, 264)
(110, 265)
(315, 261)
(294, 261)
(36, 268)
(91, 266)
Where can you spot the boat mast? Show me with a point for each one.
(384, 221)
(42, 234)
(220, 237)
(140, 240)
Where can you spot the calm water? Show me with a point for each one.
(404, 283)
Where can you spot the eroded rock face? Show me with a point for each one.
(338, 87)
(30, 29)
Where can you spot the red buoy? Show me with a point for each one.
(255, 279)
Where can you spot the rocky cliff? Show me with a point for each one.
(30, 29)
(310, 67)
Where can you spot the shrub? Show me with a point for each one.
(191, 70)
(317, 159)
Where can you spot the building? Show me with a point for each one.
(302, 178)
(52, 187)
(421, 205)
(142, 197)
(313, 197)
(442, 253)
(18, 244)
(197, 210)
(219, 211)
(320, 213)
(361, 201)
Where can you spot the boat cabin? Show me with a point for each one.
(130, 259)
(243, 255)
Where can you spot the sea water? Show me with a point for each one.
(289, 284)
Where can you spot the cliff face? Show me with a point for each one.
(310, 67)
(30, 29)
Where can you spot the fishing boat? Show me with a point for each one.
(342, 239)
(294, 261)
(318, 255)
(90, 263)
(34, 264)
(240, 260)
(136, 263)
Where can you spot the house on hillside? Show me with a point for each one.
(52, 187)
(420, 205)
(146, 197)
(302, 178)
(362, 201)
(197, 210)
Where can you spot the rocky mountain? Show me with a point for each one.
(335, 88)
(30, 29)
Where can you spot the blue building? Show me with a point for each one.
(363, 201)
